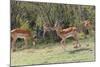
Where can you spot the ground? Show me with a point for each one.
(55, 54)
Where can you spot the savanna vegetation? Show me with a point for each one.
(32, 16)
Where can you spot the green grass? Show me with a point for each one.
(54, 53)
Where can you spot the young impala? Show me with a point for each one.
(23, 34)
(66, 33)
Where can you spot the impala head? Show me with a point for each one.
(57, 26)
(87, 23)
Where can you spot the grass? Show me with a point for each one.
(54, 53)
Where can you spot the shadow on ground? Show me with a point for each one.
(79, 50)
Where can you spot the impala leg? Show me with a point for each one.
(14, 45)
(79, 45)
(76, 43)
(44, 34)
(33, 41)
(34, 44)
(26, 42)
(63, 43)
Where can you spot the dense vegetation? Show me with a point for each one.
(32, 16)
(29, 15)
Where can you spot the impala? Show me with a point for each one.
(86, 26)
(66, 33)
(23, 34)
(46, 28)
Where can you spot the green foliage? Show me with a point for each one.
(39, 21)
(69, 15)
(47, 12)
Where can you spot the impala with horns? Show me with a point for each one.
(66, 33)
(23, 34)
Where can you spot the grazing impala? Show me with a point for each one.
(23, 34)
(66, 33)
